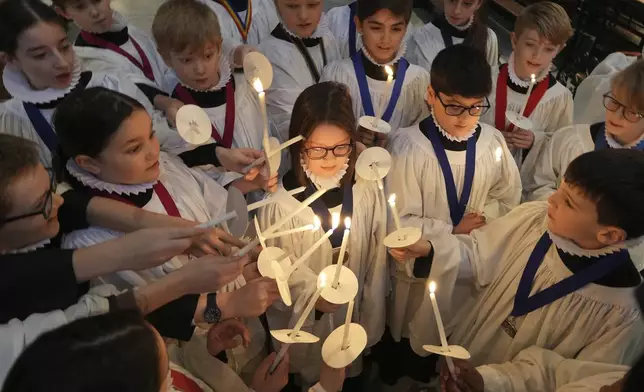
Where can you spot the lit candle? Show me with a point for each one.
(394, 210)
(216, 222)
(321, 284)
(259, 87)
(296, 211)
(390, 79)
(291, 231)
(533, 80)
(441, 328)
(343, 248)
(323, 239)
(347, 327)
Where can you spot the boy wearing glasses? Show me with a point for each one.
(623, 128)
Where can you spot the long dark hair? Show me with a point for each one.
(322, 103)
(112, 352)
(367, 8)
(478, 33)
(16, 16)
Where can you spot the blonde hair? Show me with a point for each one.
(550, 21)
(184, 24)
(629, 85)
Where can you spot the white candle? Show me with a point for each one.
(527, 98)
(269, 200)
(291, 231)
(323, 239)
(343, 248)
(217, 222)
(259, 87)
(279, 357)
(394, 210)
(296, 211)
(374, 167)
(441, 328)
(390, 79)
(262, 159)
(347, 327)
(243, 251)
(309, 307)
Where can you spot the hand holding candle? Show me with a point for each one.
(441, 328)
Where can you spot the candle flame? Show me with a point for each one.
(317, 223)
(533, 77)
(432, 287)
(335, 220)
(389, 71)
(347, 223)
(392, 199)
(258, 86)
(322, 280)
(498, 153)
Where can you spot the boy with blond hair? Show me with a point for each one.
(540, 33)
(623, 127)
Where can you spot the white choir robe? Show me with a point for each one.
(536, 369)
(264, 20)
(553, 112)
(477, 278)
(198, 198)
(417, 180)
(14, 119)
(105, 60)
(291, 76)
(411, 107)
(338, 22)
(589, 96)
(367, 259)
(427, 41)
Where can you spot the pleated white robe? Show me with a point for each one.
(477, 278)
(589, 108)
(198, 198)
(291, 76)
(14, 119)
(427, 41)
(263, 21)
(367, 259)
(411, 107)
(536, 369)
(417, 180)
(553, 112)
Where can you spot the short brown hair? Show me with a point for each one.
(630, 85)
(322, 103)
(550, 20)
(17, 155)
(184, 24)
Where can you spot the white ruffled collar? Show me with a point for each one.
(28, 248)
(324, 182)
(225, 73)
(448, 135)
(319, 31)
(612, 143)
(94, 182)
(462, 27)
(524, 83)
(399, 55)
(571, 248)
(17, 85)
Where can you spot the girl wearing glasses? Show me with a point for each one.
(449, 173)
(399, 101)
(462, 21)
(623, 127)
(326, 159)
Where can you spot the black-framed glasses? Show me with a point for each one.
(46, 208)
(457, 110)
(613, 105)
(340, 151)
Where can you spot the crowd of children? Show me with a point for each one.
(527, 206)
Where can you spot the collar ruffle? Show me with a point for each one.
(524, 83)
(571, 248)
(94, 182)
(448, 135)
(225, 73)
(463, 27)
(399, 55)
(324, 182)
(319, 31)
(28, 248)
(612, 143)
(17, 85)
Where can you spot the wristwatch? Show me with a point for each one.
(212, 314)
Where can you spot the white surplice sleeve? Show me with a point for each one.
(505, 193)
(536, 369)
(19, 125)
